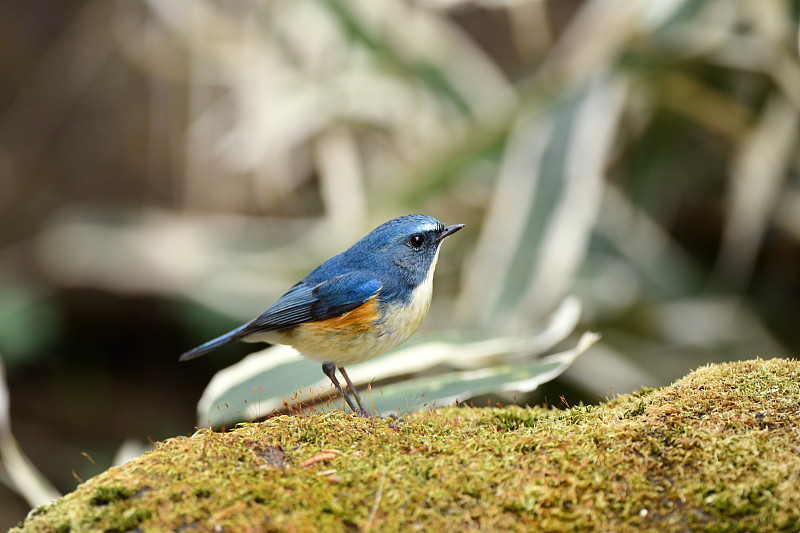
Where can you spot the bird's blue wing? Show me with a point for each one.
(306, 302)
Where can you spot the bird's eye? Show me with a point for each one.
(416, 240)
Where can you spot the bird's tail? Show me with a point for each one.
(210, 346)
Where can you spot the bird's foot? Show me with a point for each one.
(393, 417)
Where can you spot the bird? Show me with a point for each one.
(356, 305)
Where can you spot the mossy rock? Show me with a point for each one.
(717, 451)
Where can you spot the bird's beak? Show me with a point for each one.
(449, 230)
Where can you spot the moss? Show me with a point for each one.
(105, 495)
(129, 519)
(201, 492)
(715, 451)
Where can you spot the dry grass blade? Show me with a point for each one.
(758, 177)
(566, 239)
(22, 474)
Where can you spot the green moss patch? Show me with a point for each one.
(717, 451)
(105, 495)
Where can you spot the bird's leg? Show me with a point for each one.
(364, 411)
(330, 370)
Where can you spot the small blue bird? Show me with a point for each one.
(356, 305)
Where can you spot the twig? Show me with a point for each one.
(376, 503)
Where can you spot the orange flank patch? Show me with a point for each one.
(356, 321)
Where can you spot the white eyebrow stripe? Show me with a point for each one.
(428, 227)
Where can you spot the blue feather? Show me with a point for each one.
(219, 342)
(302, 303)
(305, 302)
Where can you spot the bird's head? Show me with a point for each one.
(407, 246)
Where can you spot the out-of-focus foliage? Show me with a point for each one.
(19, 472)
(642, 156)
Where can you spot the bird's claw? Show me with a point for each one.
(366, 414)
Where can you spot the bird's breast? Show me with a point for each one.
(404, 318)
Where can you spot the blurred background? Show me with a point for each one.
(169, 168)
